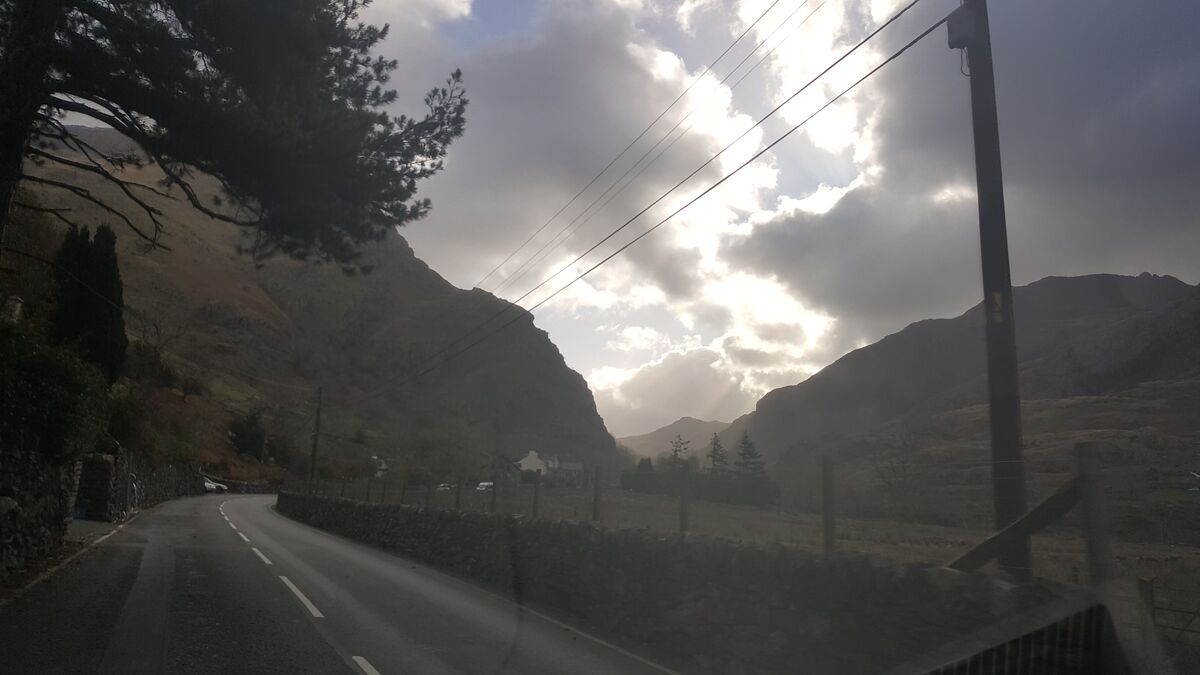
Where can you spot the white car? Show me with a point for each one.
(213, 486)
(486, 486)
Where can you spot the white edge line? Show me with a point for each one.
(232, 525)
(365, 665)
(16, 593)
(261, 556)
(244, 537)
(522, 607)
(312, 609)
(604, 643)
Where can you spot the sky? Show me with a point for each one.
(859, 223)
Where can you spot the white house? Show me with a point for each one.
(531, 462)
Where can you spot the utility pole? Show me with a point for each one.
(969, 29)
(316, 439)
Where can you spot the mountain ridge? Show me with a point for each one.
(266, 335)
(695, 431)
(1075, 335)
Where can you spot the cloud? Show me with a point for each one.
(860, 224)
(1093, 128)
(686, 381)
(635, 339)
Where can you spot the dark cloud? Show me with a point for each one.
(780, 333)
(1101, 155)
(548, 109)
(681, 383)
(747, 357)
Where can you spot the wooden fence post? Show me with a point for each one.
(367, 499)
(596, 495)
(1146, 591)
(1095, 521)
(403, 486)
(383, 489)
(828, 503)
(428, 494)
(537, 488)
(683, 503)
(492, 497)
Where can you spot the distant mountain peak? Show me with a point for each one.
(1075, 336)
(696, 431)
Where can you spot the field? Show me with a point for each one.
(1059, 555)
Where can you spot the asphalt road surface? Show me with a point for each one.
(223, 584)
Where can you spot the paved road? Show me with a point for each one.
(223, 584)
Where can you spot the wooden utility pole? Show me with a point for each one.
(316, 439)
(495, 489)
(969, 29)
(537, 488)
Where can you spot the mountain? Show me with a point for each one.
(698, 433)
(265, 337)
(1076, 336)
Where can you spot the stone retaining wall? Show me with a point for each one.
(714, 605)
(35, 505)
(115, 485)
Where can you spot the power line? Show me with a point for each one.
(621, 154)
(555, 242)
(663, 196)
(712, 187)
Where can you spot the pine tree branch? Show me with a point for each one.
(86, 194)
(152, 212)
(57, 213)
(131, 129)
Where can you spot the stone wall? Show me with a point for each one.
(38, 497)
(115, 485)
(35, 504)
(711, 605)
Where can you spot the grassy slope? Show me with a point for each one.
(942, 474)
(266, 336)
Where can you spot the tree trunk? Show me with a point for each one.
(24, 67)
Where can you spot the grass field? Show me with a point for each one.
(1058, 555)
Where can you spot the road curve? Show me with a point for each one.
(226, 584)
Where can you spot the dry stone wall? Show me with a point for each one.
(714, 605)
(115, 485)
(36, 497)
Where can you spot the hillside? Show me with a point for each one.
(266, 337)
(698, 433)
(1076, 336)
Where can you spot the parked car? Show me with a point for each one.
(444, 487)
(486, 486)
(213, 486)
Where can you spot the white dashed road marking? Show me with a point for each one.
(261, 556)
(312, 609)
(365, 665)
(244, 537)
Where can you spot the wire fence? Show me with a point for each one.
(1168, 569)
